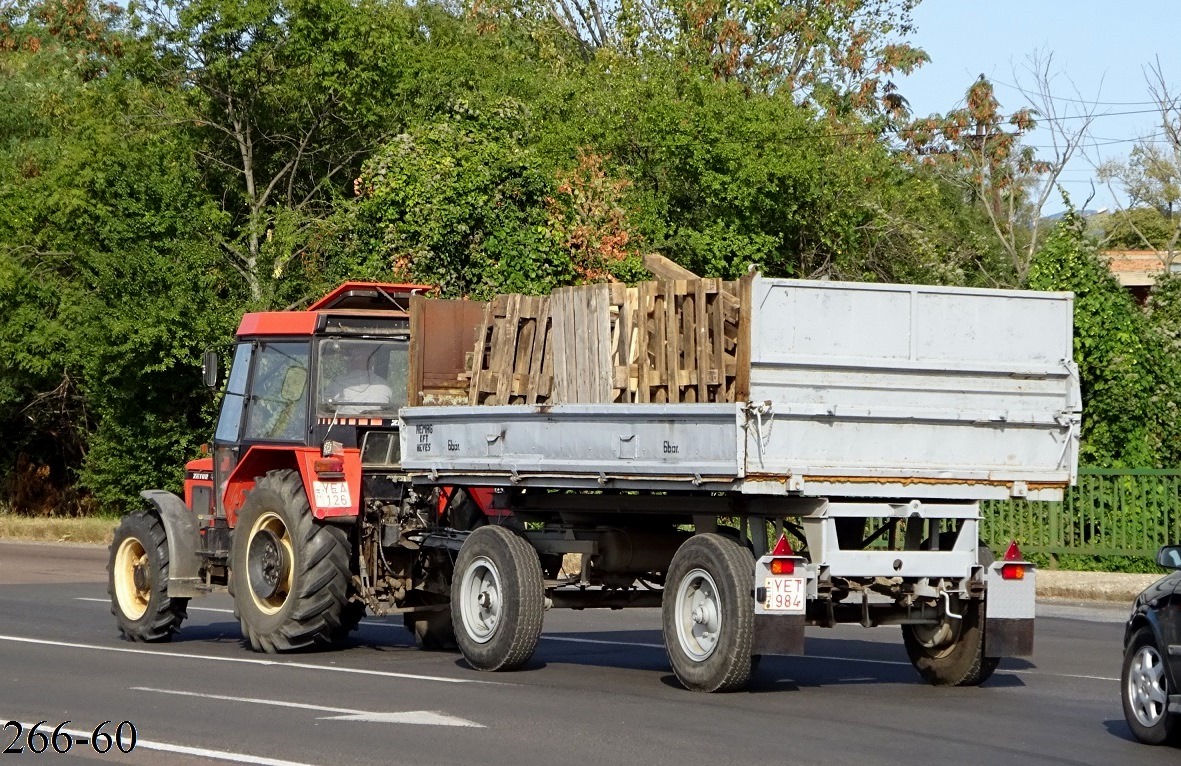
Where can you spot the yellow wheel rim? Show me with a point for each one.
(130, 559)
(270, 558)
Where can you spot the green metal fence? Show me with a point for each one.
(1112, 512)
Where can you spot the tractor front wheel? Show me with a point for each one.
(289, 574)
(137, 581)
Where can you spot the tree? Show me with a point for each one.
(460, 203)
(1152, 175)
(1125, 367)
(290, 98)
(1133, 228)
(980, 148)
(839, 54)
(110, 287)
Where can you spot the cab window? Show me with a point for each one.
(229, 423)
(278, 404)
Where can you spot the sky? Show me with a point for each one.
(1101, 51)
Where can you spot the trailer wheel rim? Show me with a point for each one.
(269, 557)
(1146, 687)
(940, 638)
(698, 615)
(481, 600)
(133, 585)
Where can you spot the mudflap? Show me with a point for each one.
(778, 634)
(184, 542)
(1009, 611)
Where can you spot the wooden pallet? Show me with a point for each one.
(684, 340)
(512, 362)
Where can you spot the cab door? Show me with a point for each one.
(227, 437)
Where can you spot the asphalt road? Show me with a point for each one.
(598, 691)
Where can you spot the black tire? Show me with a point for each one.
(497, 599)
(952, 653)
(1144, 690)
(291, 591)
(708, 614)
(350, 618)
(137, 581)
(433, 631)
(465, 514)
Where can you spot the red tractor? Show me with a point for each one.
(300, 511)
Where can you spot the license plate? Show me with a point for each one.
(784, 594)
(332, 494)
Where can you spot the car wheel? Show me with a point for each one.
(1145, 691)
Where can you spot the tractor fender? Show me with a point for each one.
(184, 543)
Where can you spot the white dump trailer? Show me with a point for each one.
(873, 420)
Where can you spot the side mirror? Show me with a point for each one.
(209, 369)
(1169, 557)
(294, 382)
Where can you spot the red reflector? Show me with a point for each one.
(783, 547)
(329, 465)
(1013, 572)
(1013, 553)
(782, 566)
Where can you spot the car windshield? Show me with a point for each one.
(361, 377)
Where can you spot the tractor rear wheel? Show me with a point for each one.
(289, 574)
(137, 581)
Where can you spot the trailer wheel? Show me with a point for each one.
(289, 574)
(497, 599)
(137, 581)
(951, 653)
(708, 614)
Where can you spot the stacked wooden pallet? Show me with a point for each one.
(683, 340)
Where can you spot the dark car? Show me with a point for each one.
(1152, 657)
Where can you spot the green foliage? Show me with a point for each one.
(1137, 228)
(459, 203)
(107, 261)
(1124, 368)
(164, 168)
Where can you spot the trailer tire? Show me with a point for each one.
(497, 599)
(708, 614)
(957, 659)
(137, 581)
(289, 574)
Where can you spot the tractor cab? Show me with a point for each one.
(302, 384)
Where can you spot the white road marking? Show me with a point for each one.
(169, 747)
(898, 663)
(421, 717)
(247, 661)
